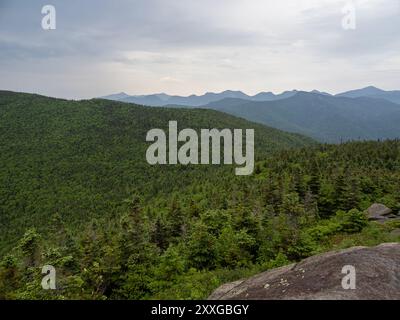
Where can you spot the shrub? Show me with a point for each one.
(352, 221)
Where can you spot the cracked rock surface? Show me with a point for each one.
(320, 277)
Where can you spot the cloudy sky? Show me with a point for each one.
(194, 46)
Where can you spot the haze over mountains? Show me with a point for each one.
(364, 114)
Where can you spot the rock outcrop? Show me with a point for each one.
(377, 273)
(381, 213)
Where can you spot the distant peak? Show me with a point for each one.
(231, 91)
(372, 87)
(299, 93)
(367, 91)
(321, 92)
(116, 96)
(265, 92)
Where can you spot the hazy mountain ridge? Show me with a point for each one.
(162, 99)
(325, 118)
(373, 92)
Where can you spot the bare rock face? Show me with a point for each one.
(319, 277)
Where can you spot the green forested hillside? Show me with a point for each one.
(80, 160)
(76, 194)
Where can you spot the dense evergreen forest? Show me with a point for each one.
(77, 193)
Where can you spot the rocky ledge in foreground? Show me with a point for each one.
(377, 273)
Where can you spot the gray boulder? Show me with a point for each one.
(320, 277)
(378, 212)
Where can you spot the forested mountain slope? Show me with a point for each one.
(185, 244)
(81, 159)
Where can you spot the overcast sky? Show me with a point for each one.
(194, 46)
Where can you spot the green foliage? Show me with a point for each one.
(352, 221)
(201, 247)
(233, 248)
(279, 261)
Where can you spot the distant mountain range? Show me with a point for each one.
(325, 118)
(162, 99)
(364, 114)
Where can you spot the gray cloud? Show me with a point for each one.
(190, 46)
